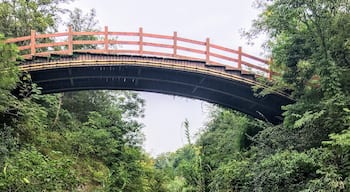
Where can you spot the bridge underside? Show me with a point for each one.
(230, 93)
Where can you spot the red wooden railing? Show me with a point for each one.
(141, 43)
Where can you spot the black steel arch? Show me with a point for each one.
(187, 78)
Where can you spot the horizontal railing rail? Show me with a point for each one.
(140, 43)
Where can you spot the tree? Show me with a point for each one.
(312, 57)
(83, 22)
(309, 43)
(18, 17)
(8, 79)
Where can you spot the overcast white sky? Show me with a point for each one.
(221, 20)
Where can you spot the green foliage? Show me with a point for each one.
(341, 140)
(101, 148)
(284, 171)
(82, 22)
(308, 44)
(178, 184)
(108, 134)
(9, 72)
(182, 169)
(227, 133)
(29, 170)
(332, 175)
(232, 176)
(18, 17)
(9, 75)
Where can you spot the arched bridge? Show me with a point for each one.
(169, 64)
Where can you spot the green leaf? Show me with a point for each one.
(26, 181)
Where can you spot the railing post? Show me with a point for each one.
(270, 70)
(32, 42)
(175, 44)
(141, 40)
(239, 64)
(207, 51)
(70, 40)
(106, 39)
